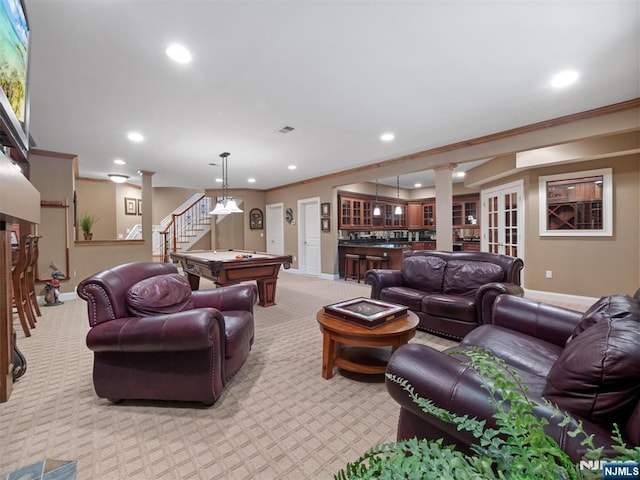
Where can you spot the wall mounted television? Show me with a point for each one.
(14, 65)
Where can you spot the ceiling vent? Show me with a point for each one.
(286, 129)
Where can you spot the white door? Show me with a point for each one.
(502, 223)
(275, 229)
(309, 237)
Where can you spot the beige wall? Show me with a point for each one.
(589, 266)
(167, 199)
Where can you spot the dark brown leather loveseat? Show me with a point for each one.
(450, 292)
(587, 364)
(155, 339)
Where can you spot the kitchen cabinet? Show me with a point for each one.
(429, 215)
(414, 215)
(355, 213)
(464, 213)
(391, 220)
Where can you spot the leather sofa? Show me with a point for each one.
(450, 292)
(153, 338)
(586, 364)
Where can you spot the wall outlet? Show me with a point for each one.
(294, 259)
(549, 274)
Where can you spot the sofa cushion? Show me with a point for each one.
(423, 273)
(409, 297)
(159, 295)
(519, 350)
(610, 307)
(457, 307)
(597, 376)
(464, 277)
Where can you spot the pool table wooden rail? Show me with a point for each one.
(224, 269)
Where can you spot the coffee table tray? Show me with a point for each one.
(366, 312)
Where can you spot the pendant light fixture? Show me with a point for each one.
(376, 207)
(398, 210)
(227, 204)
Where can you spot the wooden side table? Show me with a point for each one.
(358, 349)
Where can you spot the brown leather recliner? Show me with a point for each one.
(450, 292)
(155, 339)
(586, 364)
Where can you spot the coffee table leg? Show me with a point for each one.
(328, 355)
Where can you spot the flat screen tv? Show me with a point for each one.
(14, 64)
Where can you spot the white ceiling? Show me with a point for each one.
(340, 72)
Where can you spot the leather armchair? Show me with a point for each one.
(153, 338)
(532, 338)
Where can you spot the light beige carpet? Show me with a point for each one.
(277, 419)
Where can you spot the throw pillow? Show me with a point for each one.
(597, 376)
(609, 307)
(159, 295)
(464, 277)
(423, 273)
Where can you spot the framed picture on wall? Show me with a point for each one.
(130, 206)
(255, 219)
(325, 224)
(139, 206)
(325, 209)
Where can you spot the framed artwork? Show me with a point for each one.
(256, 220)
(576, 204)
(139, 206)
(130, 206)
(325, 224)
(325, 209)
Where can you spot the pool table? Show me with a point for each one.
(227, 267)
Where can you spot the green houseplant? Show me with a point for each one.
(86, 225)
(517, 449)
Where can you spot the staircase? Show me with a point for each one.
(181, 229)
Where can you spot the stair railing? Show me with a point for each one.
(183, 225)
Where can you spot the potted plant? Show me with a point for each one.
(86, 224)
(518, 449)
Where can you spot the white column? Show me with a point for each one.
(444, 202)
(147, 211)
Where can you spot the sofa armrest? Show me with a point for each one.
(182, 331)
(486, 296)
(379, 279)
(550, 323)
(233, 297)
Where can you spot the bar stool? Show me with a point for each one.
(30, 275)
(17, 278)
(374, 261)
(352, 263)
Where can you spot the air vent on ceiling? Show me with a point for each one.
(286, 129)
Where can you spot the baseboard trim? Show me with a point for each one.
(62, 297)
(540, 295)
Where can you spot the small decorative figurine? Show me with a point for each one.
(52, 289)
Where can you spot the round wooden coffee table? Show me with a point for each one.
(358, 349)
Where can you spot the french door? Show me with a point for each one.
(503, 219)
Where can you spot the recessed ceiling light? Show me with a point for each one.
(564, 78)
(292, 167)
(251, 180)
(178, 53)
(135, 136)
(119, 161)
(218, 180)
(387, 137)
(417, 185)
(460, 174)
